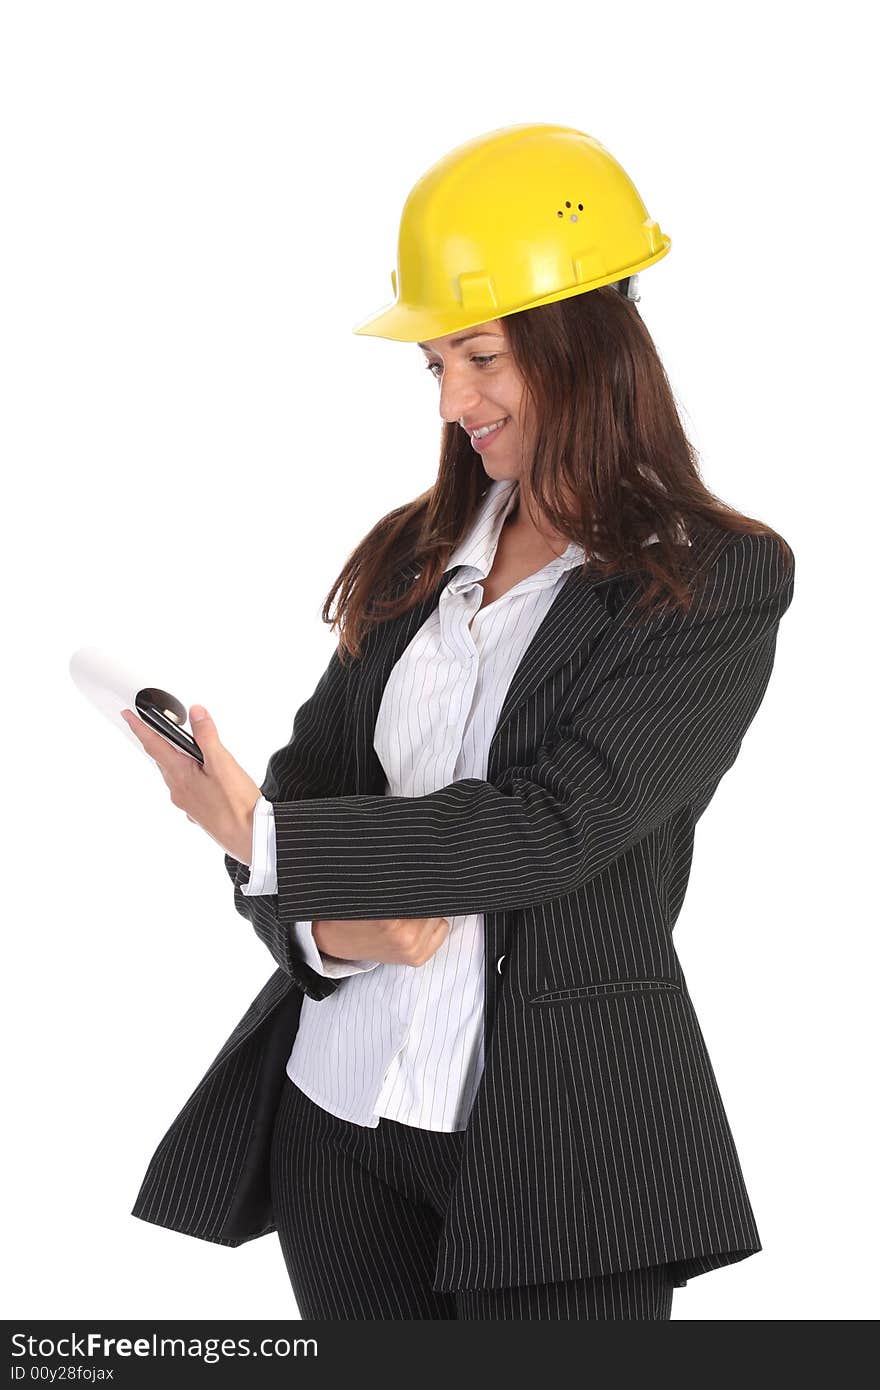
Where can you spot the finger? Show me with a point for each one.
(153, 742)
(160, 750)
(440, 930)
(205, 734)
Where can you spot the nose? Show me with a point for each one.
(458, 398)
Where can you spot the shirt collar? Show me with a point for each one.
(477, 548)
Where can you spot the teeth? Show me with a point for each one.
(478, 434)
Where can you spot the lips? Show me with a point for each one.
(501, 420)
(480, 444)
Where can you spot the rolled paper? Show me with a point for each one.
(112, 685)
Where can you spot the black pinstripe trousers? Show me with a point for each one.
(359, 1213)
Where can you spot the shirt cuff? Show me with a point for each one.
(263, 877)
(326, 965)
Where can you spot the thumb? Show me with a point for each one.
(204, 729)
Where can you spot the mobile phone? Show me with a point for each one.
(166, 715)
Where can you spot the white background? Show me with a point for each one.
(200, 201)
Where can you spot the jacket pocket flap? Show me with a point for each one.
(604, 987)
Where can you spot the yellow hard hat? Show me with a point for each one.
(521, 216)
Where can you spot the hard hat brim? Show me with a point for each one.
(411, 323)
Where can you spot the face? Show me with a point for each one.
(479, 385)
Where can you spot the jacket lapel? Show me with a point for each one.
(572, 627)
(568, 632)
(573, 623)
(390, 641)
(578, 618)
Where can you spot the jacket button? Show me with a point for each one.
(498, 963)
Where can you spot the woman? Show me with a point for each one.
(476, 1086)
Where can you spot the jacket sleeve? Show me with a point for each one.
(314, 763)
(263, 879)
(665, 722)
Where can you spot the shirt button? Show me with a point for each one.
(498, 963)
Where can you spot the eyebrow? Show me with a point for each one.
(454, 342)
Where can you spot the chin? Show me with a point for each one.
(500, 471)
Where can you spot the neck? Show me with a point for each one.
(529, 536)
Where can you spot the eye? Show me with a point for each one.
(484, 359)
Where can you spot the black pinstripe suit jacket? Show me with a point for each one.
(598, 1139)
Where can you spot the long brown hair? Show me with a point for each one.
(610, 466)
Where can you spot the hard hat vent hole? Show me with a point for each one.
(573, 216)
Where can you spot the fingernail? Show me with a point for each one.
(198, 713)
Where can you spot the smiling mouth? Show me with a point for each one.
(478, 439)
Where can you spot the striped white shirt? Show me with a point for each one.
(400, 1041)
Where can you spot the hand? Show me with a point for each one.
(219, 796)
(400, 940)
